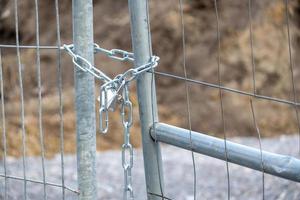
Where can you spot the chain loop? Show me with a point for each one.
(117, 54)
(110, 92)
(121, 55)
(103, 128)
(126, 120)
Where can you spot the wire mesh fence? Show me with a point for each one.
(218, 87)
(252, 94)
(39, 181)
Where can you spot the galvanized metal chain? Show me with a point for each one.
(117, 54)
(84, 65)
(127, 150)
(112, 92)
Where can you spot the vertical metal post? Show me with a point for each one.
(141, 42)
(85, 100)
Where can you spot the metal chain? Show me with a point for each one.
(111, 92)
(127, 150)
(84, 65)
(117, 54)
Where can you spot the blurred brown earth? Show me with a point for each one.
(112, 30)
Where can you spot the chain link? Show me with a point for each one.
(117, 54)
(127, 150)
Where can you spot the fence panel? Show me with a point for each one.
(38, 178)
(36, 181)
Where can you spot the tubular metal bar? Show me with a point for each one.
(275, 164)
(85, 100)
(141, 42)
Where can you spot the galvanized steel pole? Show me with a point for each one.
(141, 42)
(275, 164)
(85, 100)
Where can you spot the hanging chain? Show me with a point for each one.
(127, 151)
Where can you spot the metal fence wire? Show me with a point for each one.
(9, 175)
(118, 90)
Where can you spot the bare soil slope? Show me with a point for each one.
(112, 30)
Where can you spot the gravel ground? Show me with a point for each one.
(178, 174)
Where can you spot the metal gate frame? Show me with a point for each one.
(152, 130)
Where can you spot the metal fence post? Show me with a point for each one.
(85, 100)
(141, 42)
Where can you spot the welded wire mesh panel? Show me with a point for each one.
(33, 160)
(227, 68)
(232, 71)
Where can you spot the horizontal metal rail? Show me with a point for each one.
(39, 182)
(275, 164)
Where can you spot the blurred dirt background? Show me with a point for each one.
(112, 30)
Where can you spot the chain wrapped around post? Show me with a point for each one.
(112, 92)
